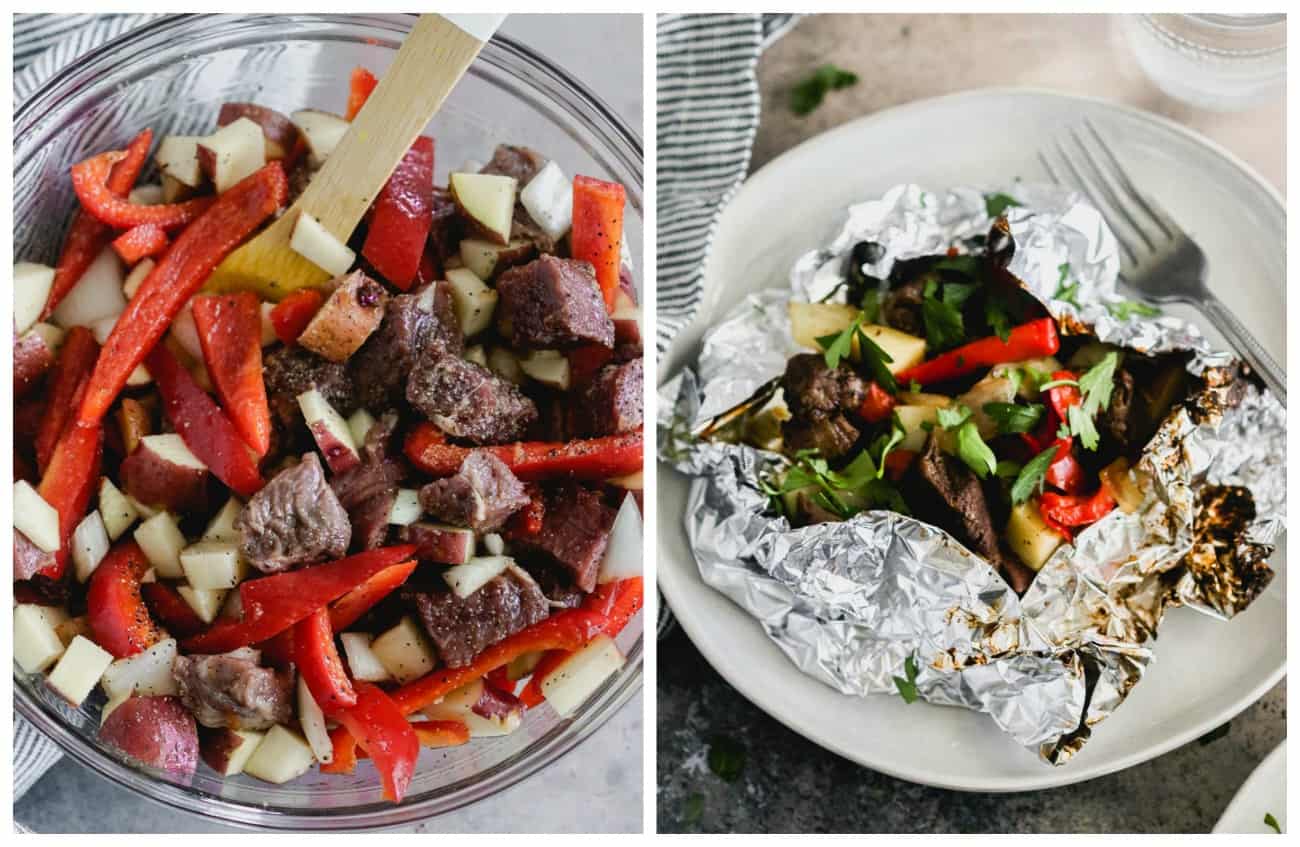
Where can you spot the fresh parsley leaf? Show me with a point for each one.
(839, 346)
(1082, 427)
(1126, 309)
(1015, 376)
(1098, 382)
(956, 294)
(1271, 821)
(943, 322)
(693, 812)
(726, 757)
(997, 203)
(1057, 383)
(1013, 418)
(808, 95)
(967, 265)
(907, 687)
(1007, 469)
(1030, 479)
(877, 361)
(1066, 293)
(1036, 377)
(972, 450)
(888, 442)
(922, 199)
(951, 417)
(871, 300)
(856, 474)
(913, 386)
(997, 316)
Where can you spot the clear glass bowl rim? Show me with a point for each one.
(96, 68)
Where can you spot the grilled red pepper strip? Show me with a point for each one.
(318, 661)
(114, 608)
(344, 757)
(1065, 472)
(402, 217)
(139, 242)
(230, 333)
(441, 733)
(1066, 511)
(349, 608)
(90, 182)
(68, 482)
(87, 237)
(272, 604)
(877, 405)
(382, 730)
(363, 82)
(597, 233)
(71, 370)
(171, 610)
(897, 461)
(291, 315)
(177, 276)
(1032, 340)
(202, 425)
(591, 458)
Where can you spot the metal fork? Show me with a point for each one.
(1157, 258)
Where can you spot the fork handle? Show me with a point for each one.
(1241, 340)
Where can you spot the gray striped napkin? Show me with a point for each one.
(708, 106)
(42, 45)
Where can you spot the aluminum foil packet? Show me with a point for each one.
(851, 603)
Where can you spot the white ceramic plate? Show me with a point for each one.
(1263, 793)
(1205, 671)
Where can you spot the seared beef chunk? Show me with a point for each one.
(481, 495)
(417, 328)
(812, 387)
(232, 691)
(1116, 420)
(575, 532)
(370, 521)
(551, 303)
(466, 400)
(445, 233)
(368, 490)
(463, 627)
(524, 228)
(289, 371)
(28, 558)
(555, 584)
(518, 162)
(833, 436)
(294, 520)
(612, 402)
(1145, 390)
(901, 308)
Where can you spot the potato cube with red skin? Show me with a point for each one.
(330, 430)
(157, 731)
(347, 318)
(34, 354)
(164, 474)
(232, 152)
(227, 750)
(280, 135)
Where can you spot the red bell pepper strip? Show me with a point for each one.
(360, 86)
(441, 733)
(140, 242)
(877, 405)
(175, 279)
(402, 217)
(344, 757)
(272, 604)
(90, 182)
(115, 609)
(318, 661)
(1062, 397)
(1065, 472)
(897, 462)
(87, 237)
(1032, 340)
(71, 370)
(531, 695)
(1078, 510)
(349, 608)
(68, 483)
(590, 458)
(499, 678)
(202, 425)
(528, 521)
(381, 729)
(171, 610)
(230, 333)
(291, 315)
(597, 233)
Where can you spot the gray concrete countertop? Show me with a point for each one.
(596, 787)
(786, 783)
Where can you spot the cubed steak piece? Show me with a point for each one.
(296, 519)
(811, 387)
(831, 435)
(416, 327)
(367, 491)
(612, 401)
(347, 318)
(446, 230)
(466, 400)
(575, 532)
(230, 690)
(481, 495)
(463, 627)
(513, 161)
(290, 371)
(551, 303)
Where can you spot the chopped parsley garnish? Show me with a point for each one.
(843, 493)
(1271, 821)
(997, 316)
(944, 327)
(1082, 426)
(907, 687)
(1125, 309)
(808, 95)
(997, 203)
(1095, 388)
(839, 347)
(951, 417)
(1057, 383)
(1007, 469)
(726, 757)
(971, 448)
(966, 265)
(1014, 418)
(1066, 293)
(1030, 479)
(882, 446)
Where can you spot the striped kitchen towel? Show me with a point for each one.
(42, 45)
(708, 105)
(707, 116)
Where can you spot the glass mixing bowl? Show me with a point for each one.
(171, 75)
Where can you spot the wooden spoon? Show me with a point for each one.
(430, 62)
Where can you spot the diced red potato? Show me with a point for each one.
(319, 246)
(34, 354)
(89, 544)
(623, 552)
(486, 711)
(404, 652)
(465, 579)
(548, 197)
(37, 645)
(35, 518)
(174, 191)
(164, 474)
(178, 159)
(150, 194)
(226, 751)
(346, 319)
(363, 664)
(161, 541)
(312, 721)
(448, 545)
(148, 673)
(280, 134)
(330, 430)
(156, 731)
(206, 602)
(322, 131)
(474, 302)
(32, 283)
(222, 525)
(485, 258)
(488, 200)
(574, 680)
(116, 509)
(79, 670)
(282, 755)
(359, 424)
